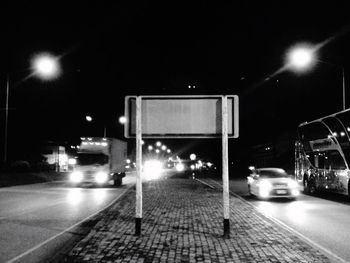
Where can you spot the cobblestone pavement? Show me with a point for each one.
(183, 222)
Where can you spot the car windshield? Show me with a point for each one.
(272, 174)
(91, 158)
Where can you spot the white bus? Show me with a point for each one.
(322, 154)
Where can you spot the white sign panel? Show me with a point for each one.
(181, 116)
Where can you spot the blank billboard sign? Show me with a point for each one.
(181, 116)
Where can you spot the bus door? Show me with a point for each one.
(334, 172)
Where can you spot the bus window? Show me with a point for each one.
(333, 160)
(313, 131)
(337, 129)
(344, 117)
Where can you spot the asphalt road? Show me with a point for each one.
(321, 220)
(37, 220)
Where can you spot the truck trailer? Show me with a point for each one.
(99, 161)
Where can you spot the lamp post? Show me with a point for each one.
(302, 57)
(44, 66)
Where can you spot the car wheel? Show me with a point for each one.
(249, 190)
(118, 182)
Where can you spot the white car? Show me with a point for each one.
(272, 182)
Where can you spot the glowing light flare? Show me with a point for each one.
(301, 57)
(101, 177)
(193, 156)
(264, 189)
(298, 212)
(76, 177)
(100, 195)
(122, 120)
(74, 196)
(72, 161)
(152, 169)
(45, 66)
(180, 167)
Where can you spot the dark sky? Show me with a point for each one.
(112, 49)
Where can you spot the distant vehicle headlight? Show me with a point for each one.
(101, 177)
(152, 169)
(292, 184)
(180, 167)
(76, 177)
(264, 188)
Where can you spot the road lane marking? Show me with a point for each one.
(286, 227)
(68, 229)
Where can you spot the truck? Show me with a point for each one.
(99, 161)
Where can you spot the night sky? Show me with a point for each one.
(112, 49)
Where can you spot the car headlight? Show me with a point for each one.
(76, 177)
(292, 184)
(101, 177)
(264, 188)
(265, 185)
(180, 167)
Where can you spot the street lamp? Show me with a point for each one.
(45, 67)
(302, 58)
(122, 119)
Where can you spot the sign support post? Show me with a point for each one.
(138, 217)
(225, 178)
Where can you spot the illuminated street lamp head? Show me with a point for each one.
(45, 66)
(122, 120)
(193, 156)
(301, 58)
(88, 118)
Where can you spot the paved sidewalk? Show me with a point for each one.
(182, 222)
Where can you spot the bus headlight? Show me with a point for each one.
(101, 177)
(76, 177)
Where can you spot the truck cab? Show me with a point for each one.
(99, 161)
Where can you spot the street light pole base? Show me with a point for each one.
(138, 226)
(226, 228)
